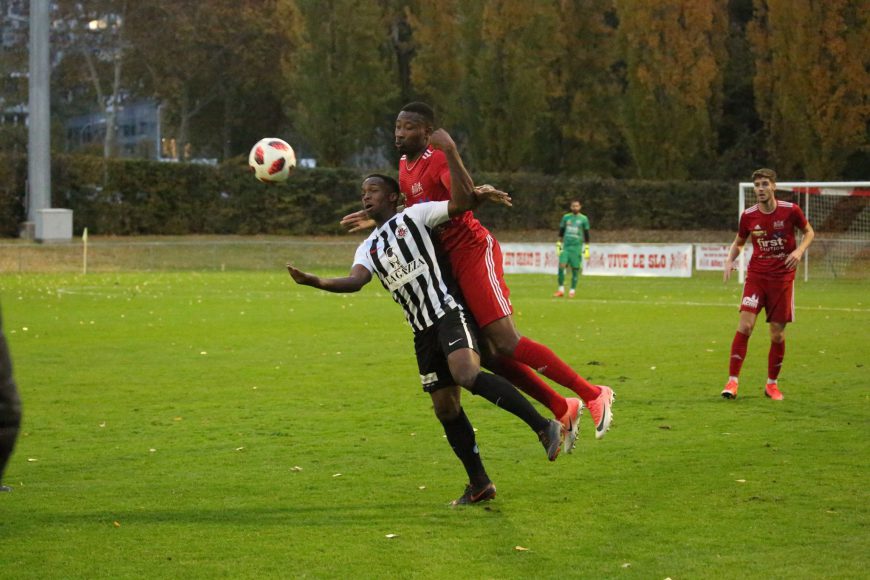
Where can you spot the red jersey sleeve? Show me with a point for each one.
(797, 217)
(743, 226)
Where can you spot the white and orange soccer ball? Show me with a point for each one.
(272, 160)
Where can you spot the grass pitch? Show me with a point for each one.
(236, 425)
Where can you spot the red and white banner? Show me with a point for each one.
(530, 258)
(668, 260)
(673, 260)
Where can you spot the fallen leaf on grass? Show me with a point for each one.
(116, 523)
(520, 549)
(627, 565)
(391, 536)
(740, 480)
(32, 459)
(240, 448)
(295, 468)
(336, 475)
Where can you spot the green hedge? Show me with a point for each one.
(124, 197)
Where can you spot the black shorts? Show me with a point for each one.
(453, 331)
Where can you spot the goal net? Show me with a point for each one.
(840, 215)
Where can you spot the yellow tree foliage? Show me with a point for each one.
(674, 54)
(812, 82)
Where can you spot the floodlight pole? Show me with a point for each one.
(38, 130)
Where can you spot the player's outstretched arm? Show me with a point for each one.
(358, 277)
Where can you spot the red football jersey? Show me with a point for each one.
(428, 179)
(773, 238)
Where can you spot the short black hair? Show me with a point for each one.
(421, 109)
(392, 184)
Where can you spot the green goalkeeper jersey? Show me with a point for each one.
(574, 226)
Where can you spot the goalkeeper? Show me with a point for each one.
(573, 238)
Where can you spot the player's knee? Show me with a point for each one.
(506, 344)
(745, 328)
(466, 375)
(447, 410)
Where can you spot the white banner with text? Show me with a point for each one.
(530, 258)
(712, 256)
(671, 260)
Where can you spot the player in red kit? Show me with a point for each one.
(771, 225)
(476, 262)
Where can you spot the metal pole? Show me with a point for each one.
(38, 132)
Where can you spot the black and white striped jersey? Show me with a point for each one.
(402, 255)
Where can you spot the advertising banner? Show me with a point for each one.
(712, 256)
(530, 258)
(666, 260)
(672, 260)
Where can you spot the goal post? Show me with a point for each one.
(839, 212)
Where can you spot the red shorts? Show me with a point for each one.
(775, 296)
(478, 271)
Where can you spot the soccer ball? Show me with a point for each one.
(272, 160)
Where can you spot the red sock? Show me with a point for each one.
(545, 361)
(774, 359)
(738, 353)
(531, 384)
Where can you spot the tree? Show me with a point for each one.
(13, 88)
(812, 84)
(94, 36)
(343, 86)
(674, 55)
(438, 71)
(195, 55)
(584, 134)
(511, 82)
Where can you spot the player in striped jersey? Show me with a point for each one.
(401, 253)
(770, 277)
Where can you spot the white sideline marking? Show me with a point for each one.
(98, 291)
(734, 305)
